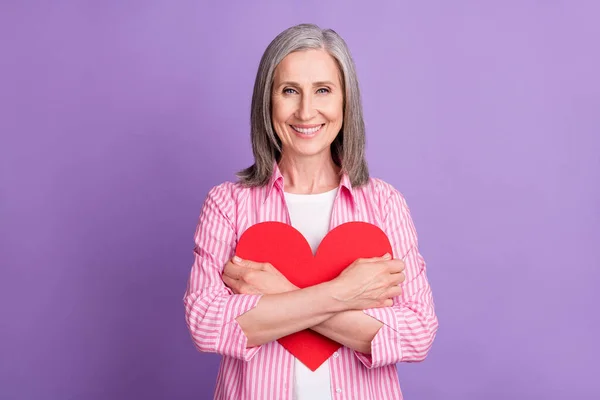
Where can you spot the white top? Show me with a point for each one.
(310, 214)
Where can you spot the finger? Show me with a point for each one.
(268, 267)
(233, 284)
(228, 281)
(393, 291)
(239, 287)
(228, 268)
(401, 277)
(396, 266)
(238, 261)
(387, 303)
(235, 271)
(385, 257)
(396, 279)
(246, 263)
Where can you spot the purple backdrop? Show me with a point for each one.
(117, 117)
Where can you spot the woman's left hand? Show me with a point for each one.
(249, 277)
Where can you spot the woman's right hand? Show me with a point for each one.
(369, 283)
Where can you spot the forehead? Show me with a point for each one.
(307, 66)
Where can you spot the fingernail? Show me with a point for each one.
(387, 256)
(238, 260)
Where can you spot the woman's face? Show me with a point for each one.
(307, 103)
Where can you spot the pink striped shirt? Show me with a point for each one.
(266, 372)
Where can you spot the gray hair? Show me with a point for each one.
(348, 148)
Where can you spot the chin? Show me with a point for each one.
(303, 151)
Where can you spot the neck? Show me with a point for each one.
(309, 175)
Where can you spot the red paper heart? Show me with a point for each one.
(287, 250)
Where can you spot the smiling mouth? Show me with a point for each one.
(307, 131)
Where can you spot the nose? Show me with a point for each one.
(305, 110)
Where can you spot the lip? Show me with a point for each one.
(305, 126)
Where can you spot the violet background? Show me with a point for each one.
(117, 117)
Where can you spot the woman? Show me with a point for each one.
(310, 171)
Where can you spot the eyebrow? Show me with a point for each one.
(320, 83)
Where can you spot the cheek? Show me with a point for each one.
(280, 111)
(279, 117)
(334, 113)
(332, 107)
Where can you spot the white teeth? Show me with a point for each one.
(306, 131)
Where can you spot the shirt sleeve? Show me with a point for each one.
(410, 324)
(211, 308)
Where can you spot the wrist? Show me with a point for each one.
(332, 297)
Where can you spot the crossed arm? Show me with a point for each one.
(391, 322)
(333, 309)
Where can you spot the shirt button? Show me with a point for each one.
(336, 355)
(338, 390)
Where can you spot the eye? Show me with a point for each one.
(289, 91)
(323, 90)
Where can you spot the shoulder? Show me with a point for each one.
(222, 191)
(228, 195)
(382, 191)
(228, 192)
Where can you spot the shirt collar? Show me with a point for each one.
(277, 180)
